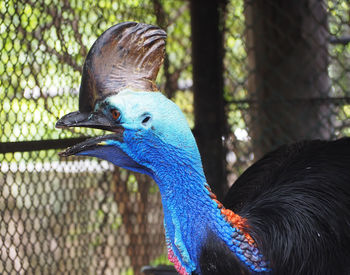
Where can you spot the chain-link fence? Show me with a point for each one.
(68, 216)
(293, 79)
(81, 215)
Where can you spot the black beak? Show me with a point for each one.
(91, 144)
(91, 120)
(95, 120)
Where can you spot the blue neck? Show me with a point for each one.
(190, 214)
(185, 203)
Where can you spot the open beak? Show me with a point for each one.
(91, 120)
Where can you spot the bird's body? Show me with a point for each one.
(287, 214)
(297, 204)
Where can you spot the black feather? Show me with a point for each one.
(297, 203)
(217, 259)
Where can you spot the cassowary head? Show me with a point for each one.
(118, 94)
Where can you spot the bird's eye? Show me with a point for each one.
(115, 114)
(146, 119)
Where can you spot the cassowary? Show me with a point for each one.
(289, 213)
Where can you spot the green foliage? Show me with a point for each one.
(44, 43)
(132, 184)
(185, 101)
(235, 62)
(43, 46)
(339, 54)
(161, 260)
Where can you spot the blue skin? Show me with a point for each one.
(158, 142)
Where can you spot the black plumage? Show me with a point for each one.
(296, 200)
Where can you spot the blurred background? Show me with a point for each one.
(250, 75)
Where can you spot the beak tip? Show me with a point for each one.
(71, 120)
(62, 154)
(62, 122)
(60, 125)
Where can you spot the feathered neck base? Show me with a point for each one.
(240, 242)
(191, 212)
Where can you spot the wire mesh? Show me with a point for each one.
(287, 75)
(73, 215)
(81, 215)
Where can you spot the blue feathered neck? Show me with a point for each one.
(191, 212)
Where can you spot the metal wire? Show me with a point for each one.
(266, 106)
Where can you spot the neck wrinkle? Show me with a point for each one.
(184, 176)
